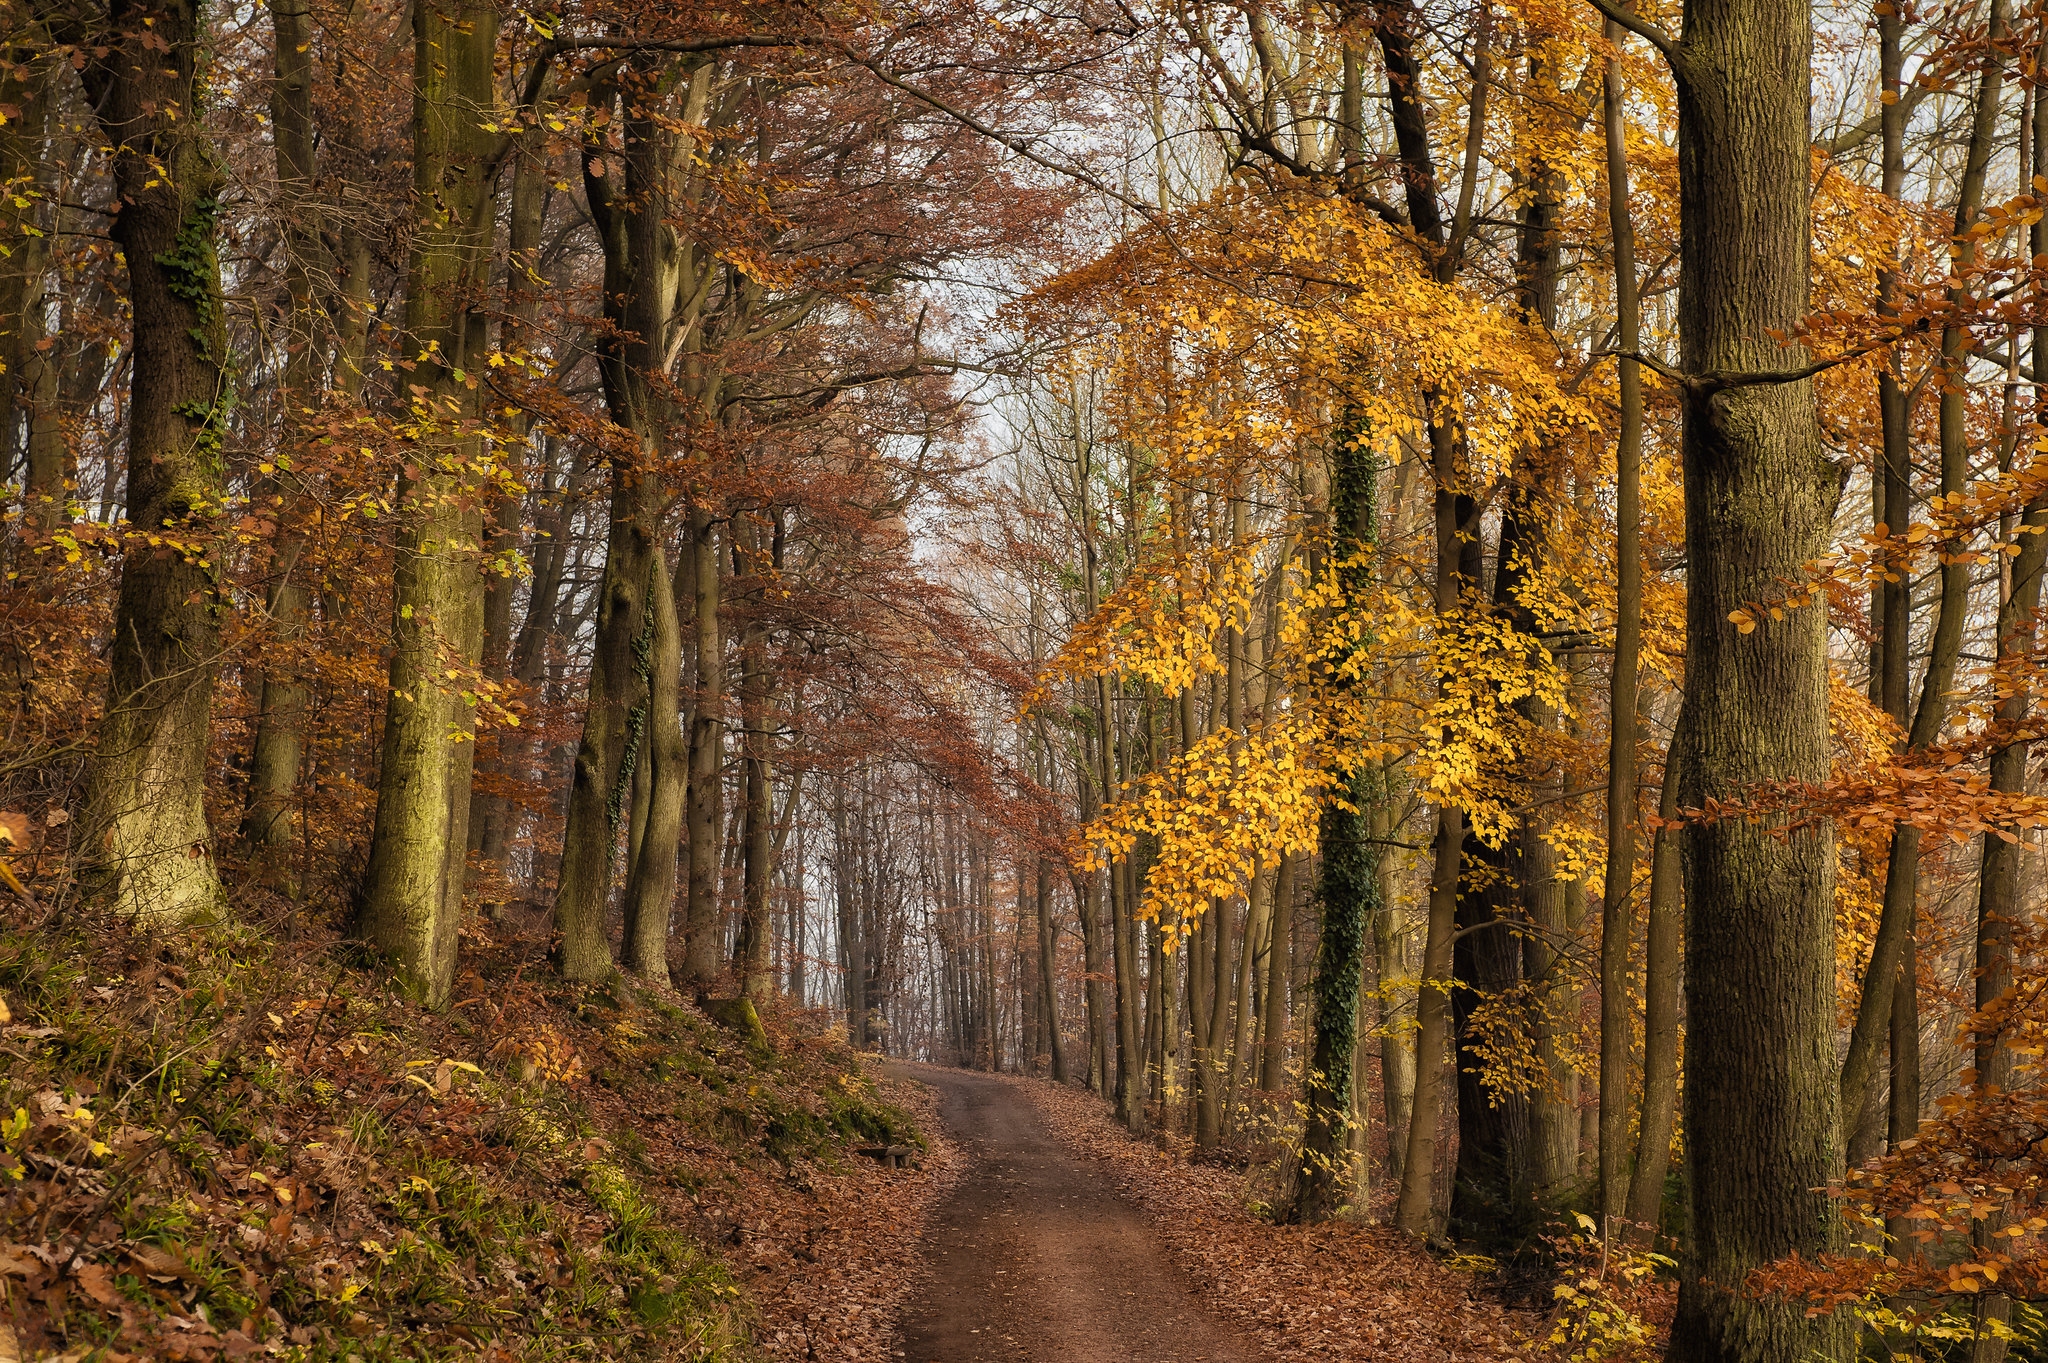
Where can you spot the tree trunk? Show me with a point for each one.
(144, 831)
(638, 288)
(1048, 975)
(651, 882)
(705, 920)
(757, 982)
(490, 811)
(1348, 889)
(1760, 1093)
(1616, 917)
(1999, 905)
(28, 167)
(1279, 958)
(1660, 1021)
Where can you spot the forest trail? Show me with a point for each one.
(1036, 1256)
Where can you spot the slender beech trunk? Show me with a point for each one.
(1397, 1056)
(144, 825)
(1279, 959)
(30, 171)
(756, 937)
(705, 919)
(1999, 905)
(1660, 1020)
(1761, 1099)
(489, 811)
(852, 951)
(1892, 949)
(1257, 924)
(278, 751)
(1048, 976)
(1616, 918)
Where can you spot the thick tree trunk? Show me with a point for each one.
(144, 830)
(638, 290)
(1761, 1099)
(412, 895)
(651, 881)
(1348, 890)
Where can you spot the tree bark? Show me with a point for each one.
(651, 881)
(1616, 925)
(412, 898)
(705, 919)
(1761, 1100)
(752, 963)
(638, 290)
(1348, 889)
(1661, 968)
(144, 831)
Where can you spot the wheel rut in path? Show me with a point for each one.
(1037, 1258)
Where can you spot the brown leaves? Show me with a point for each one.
(1338, 1291)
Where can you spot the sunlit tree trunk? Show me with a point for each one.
(412, 892)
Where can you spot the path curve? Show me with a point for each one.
(1036, 1256)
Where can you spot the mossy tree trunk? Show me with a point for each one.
(639, 289)
(411, 903)
(1349, 886)
(146, 842)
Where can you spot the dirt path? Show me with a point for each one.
(1036, 1256)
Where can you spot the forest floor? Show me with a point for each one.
(237, 1142)
(1069, 1241)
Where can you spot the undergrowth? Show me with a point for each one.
(214, 1144)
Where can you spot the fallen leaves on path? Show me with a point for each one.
(1338, 1291)
(829, 1266)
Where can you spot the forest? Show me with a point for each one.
(753, 680)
